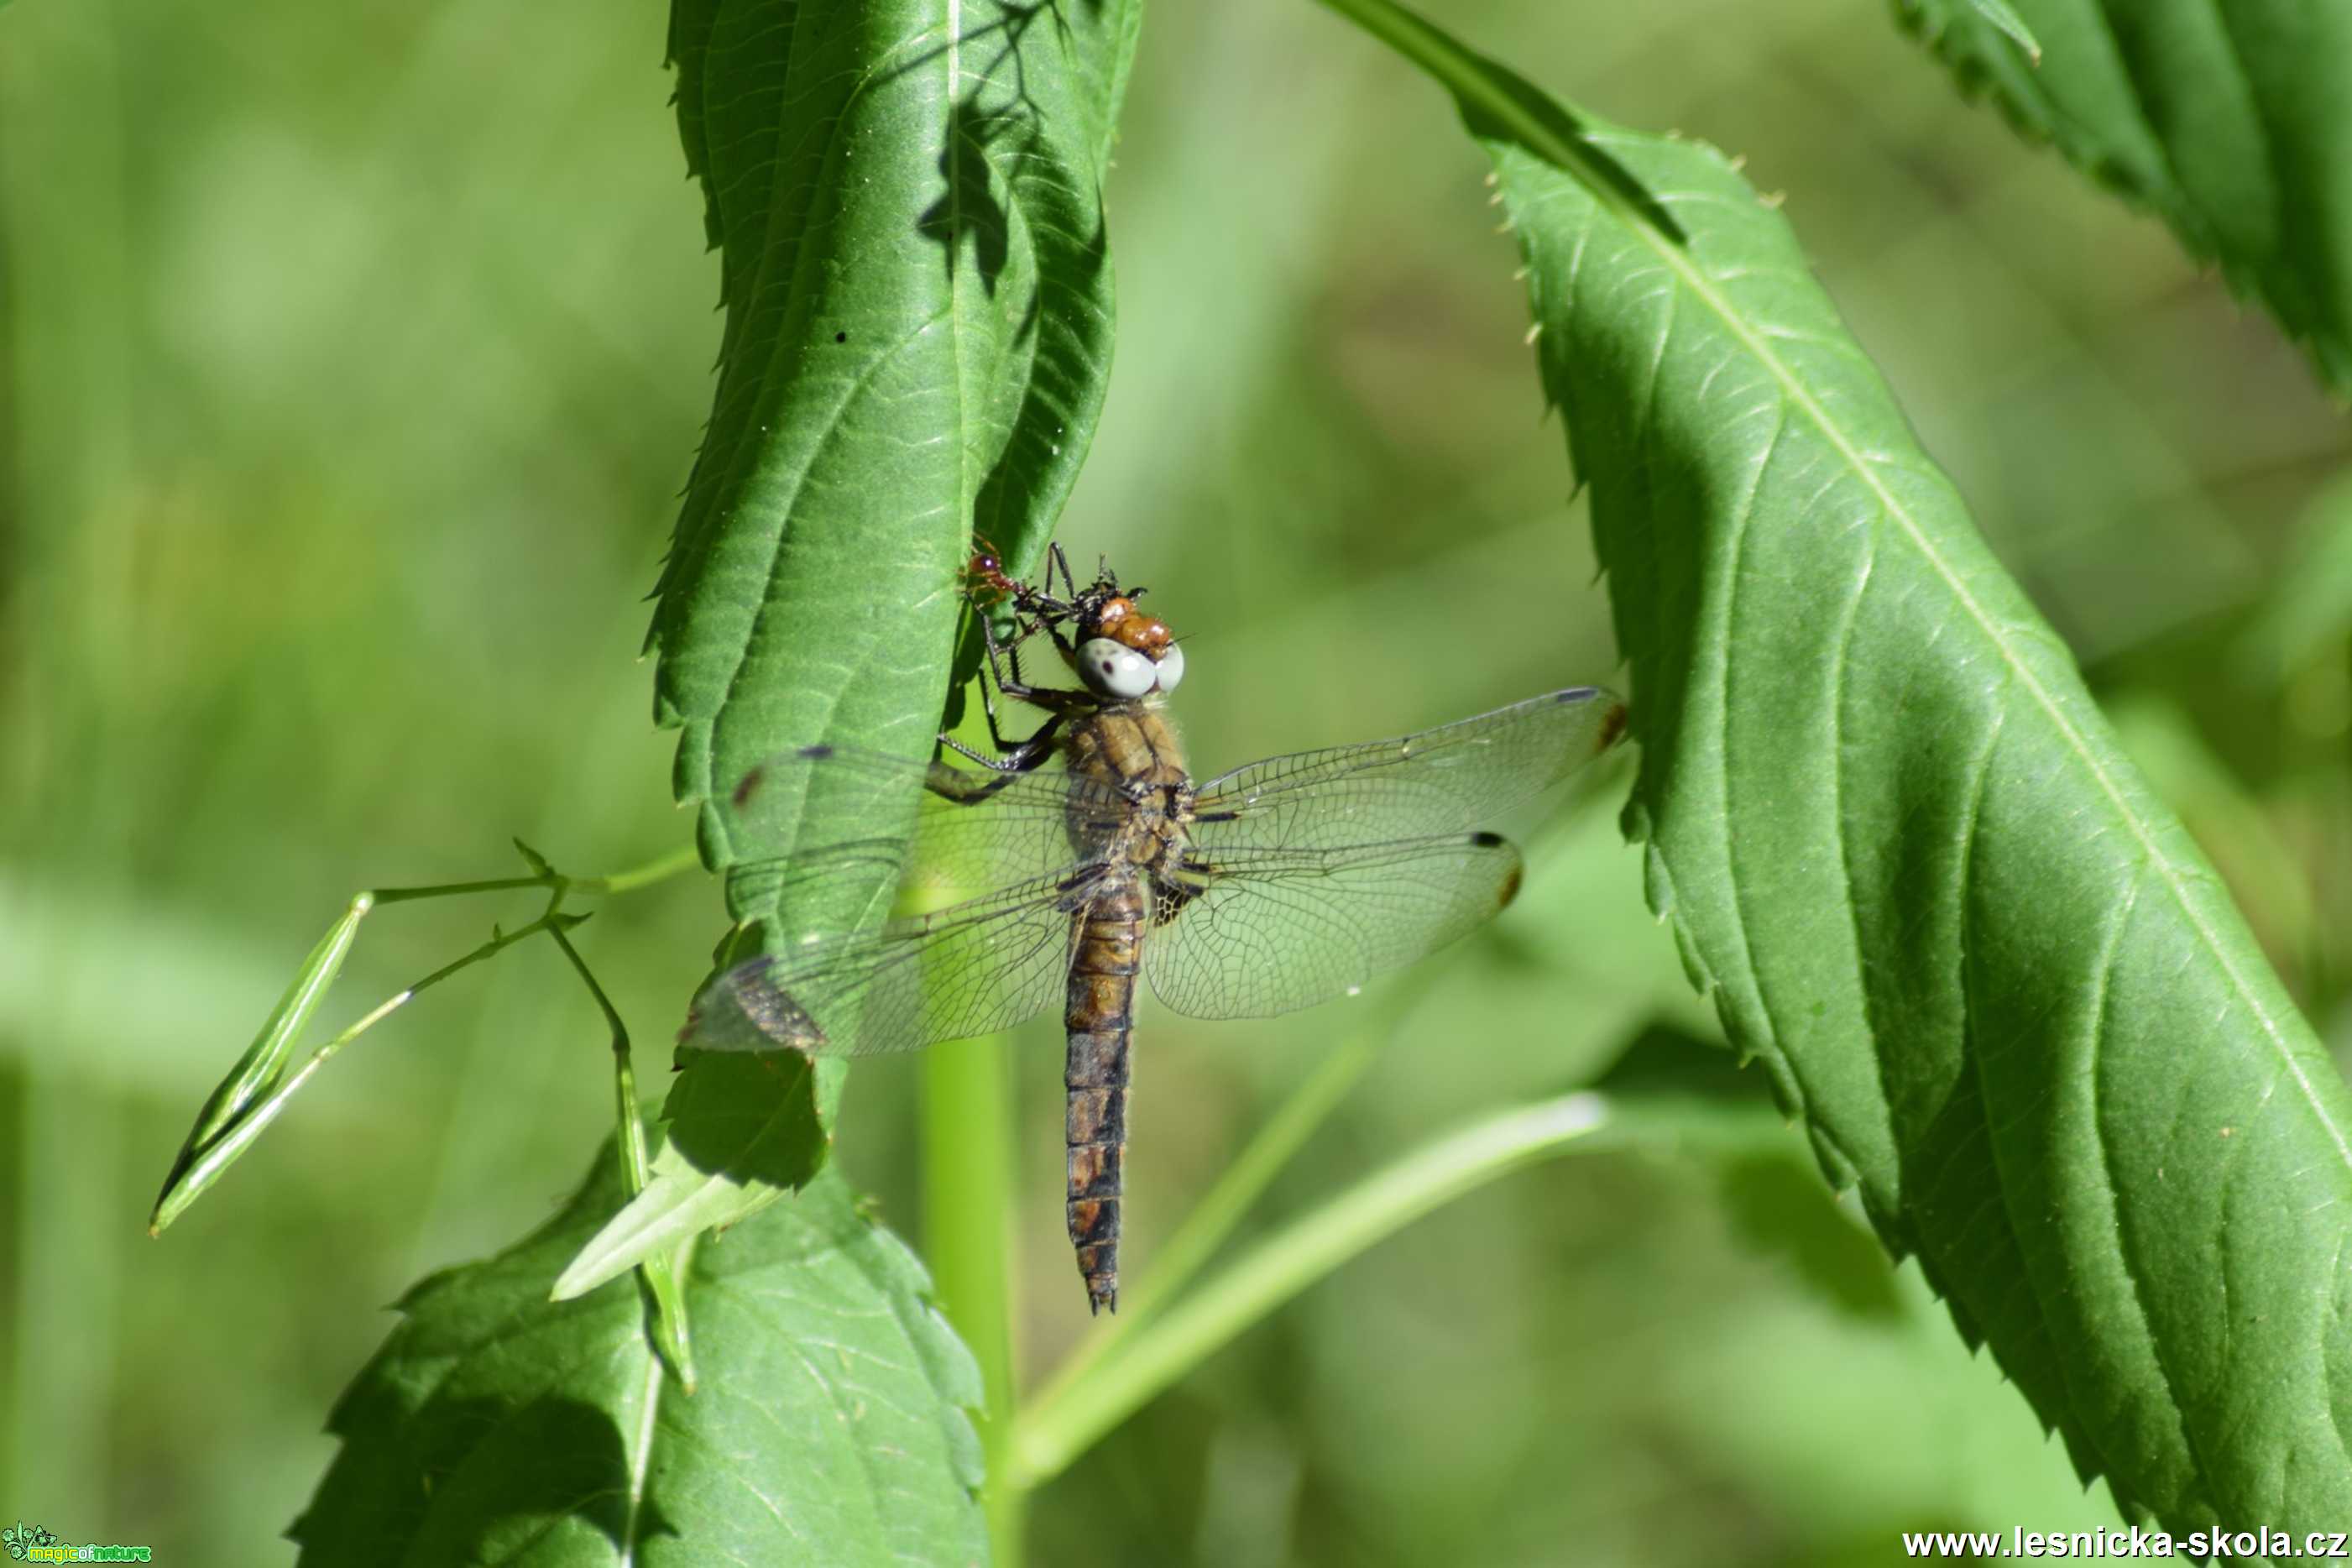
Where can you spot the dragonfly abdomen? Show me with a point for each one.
(1100, 1019)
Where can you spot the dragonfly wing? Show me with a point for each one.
(1253, 932)
(970, 969)
(1441, 781)
(806, 823)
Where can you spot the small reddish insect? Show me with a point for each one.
(985, 573)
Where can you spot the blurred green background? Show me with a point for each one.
(355, 356)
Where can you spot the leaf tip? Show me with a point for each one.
(574, 1283)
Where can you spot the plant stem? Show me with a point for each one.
(454, 889)
(679, 860)
(967, 1124)
(1052, 1433)
(675, 863)
(667, 1308)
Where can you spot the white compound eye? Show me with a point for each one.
(1114, 669)
(1171, 668)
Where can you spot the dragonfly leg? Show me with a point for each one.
(1014, 757)
(1018, 758)
(1025, 750)
(1002, 655)
(1011, 756)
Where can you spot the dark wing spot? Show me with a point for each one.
(1174, 888)
(1488, 840)
(841, 337)
(814, 754)
(775, 1012)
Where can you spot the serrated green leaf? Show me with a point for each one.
(830, 1424)
(1900, 847)
(2232, 120)
(907, 201)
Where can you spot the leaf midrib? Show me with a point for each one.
(641, 1461)
(1444, 59)
(964, 498)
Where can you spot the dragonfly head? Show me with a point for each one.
(1112, 670)
(1121, 652)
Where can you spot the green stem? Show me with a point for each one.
(675, 863)
(967, 1123)
(683, 859)
(1052, 1432)
(454, 890)
(666, 1307)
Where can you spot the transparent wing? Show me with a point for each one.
(970, 969)
(841, 812)
(1248, 933)
(995, 848)
(1438, 782)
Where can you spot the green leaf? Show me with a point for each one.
(906, 197)
(907, 201)
(740, 1133)
(2232, 120)
(1900, 849)
(2010, 24)
(215, 1141)
(830, 1424)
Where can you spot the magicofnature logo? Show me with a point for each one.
(31, 1543)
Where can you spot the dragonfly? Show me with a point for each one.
(1085, 857)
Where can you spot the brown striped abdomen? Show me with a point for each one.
(1099, 1016)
